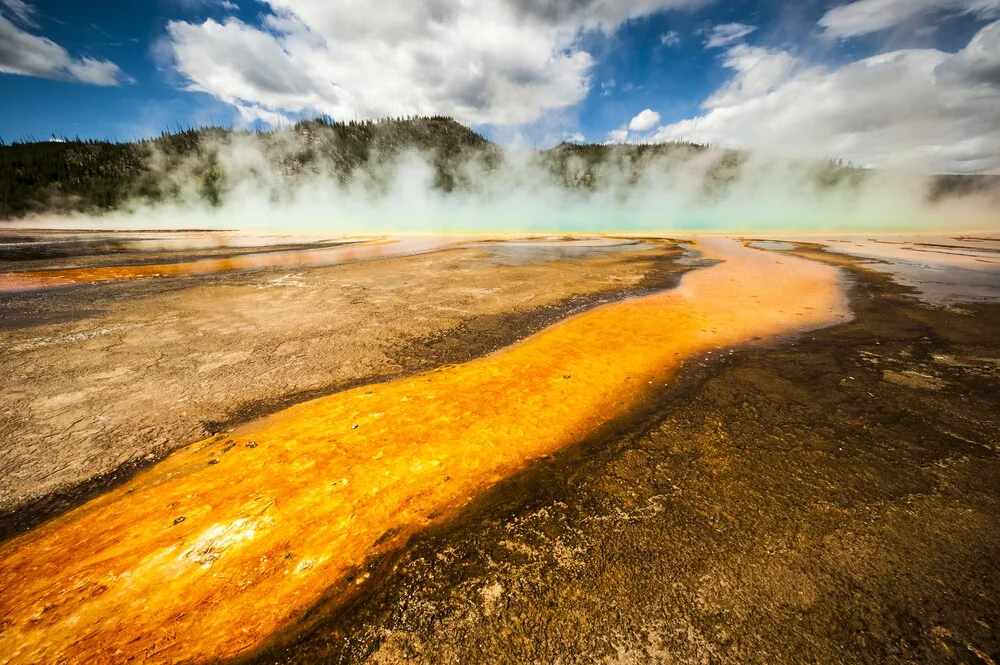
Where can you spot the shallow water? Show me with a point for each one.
(772, 245)
(230, 539)
(516, 252)
(11, 282)
(944, 270)
(513, 251)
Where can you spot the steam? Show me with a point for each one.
(239, 181)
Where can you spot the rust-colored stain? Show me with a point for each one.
(231, 539)
(45, 279)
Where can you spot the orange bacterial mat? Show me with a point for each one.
(231, 539)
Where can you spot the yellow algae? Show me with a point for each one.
(283, 509)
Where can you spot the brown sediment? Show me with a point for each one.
(230, 539)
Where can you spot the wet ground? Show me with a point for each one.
(834, 499)
(942, 269)
(105, 379)
(235, 537)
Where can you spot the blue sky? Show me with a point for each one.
(879, 82)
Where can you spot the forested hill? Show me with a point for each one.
(204, 166)
(94, 176)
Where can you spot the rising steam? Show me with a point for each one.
(283, 182)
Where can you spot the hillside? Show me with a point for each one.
(94, 176)
(206, 165)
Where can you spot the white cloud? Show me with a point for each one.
(575, 138)
(727, 33)
(618, 135)
(759, 71)
(645, 121)
(32, 55)
(250, 113)
(670, 39)
(95, 72)
(867, 16)
(21, 11)
(505, 62)
(918, 108)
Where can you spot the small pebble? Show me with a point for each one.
(211, 462)
(179, 520)
(566, 376)
(354, 426)
(251, 444)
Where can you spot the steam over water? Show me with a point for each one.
(679, 189)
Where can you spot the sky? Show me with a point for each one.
(902, 84)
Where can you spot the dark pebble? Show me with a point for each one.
(251, 444)
(211, 462)
(179, 520)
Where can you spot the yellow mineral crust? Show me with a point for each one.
(228, 540)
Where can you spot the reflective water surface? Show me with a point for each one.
(352, 251)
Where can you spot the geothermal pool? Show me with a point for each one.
(231, 539)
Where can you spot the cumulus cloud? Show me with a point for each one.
(504, 62)
(645, 121)
(618, 135)
(727, 33)
(32, 55)
(864, 17)
(916, 108)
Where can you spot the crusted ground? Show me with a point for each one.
(103, 379)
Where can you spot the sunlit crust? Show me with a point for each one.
(268, 526)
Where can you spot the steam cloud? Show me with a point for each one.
(634, 190)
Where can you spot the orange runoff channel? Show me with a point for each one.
(234, 538)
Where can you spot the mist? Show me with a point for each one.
(262, 183)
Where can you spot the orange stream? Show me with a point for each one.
(43, 279)
(268, 528)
